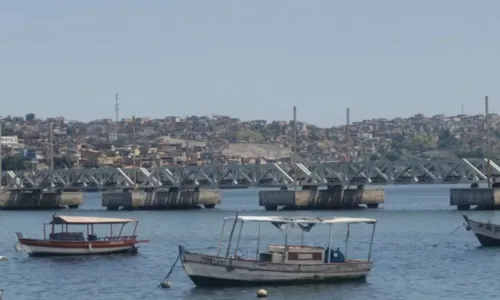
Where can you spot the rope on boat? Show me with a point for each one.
(170, 272)
(6, 249)
(454, 230)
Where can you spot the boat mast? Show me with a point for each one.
(487, 121)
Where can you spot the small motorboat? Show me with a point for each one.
(487, 233)
(278, 264)
(65, 242)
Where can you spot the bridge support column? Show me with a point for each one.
(36, 199)
(481, 198)
(172, 198)
(310, 197)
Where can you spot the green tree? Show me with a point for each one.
(420, 143)
(392, 156)
(13, 163)
(447, 140)
(30, 117)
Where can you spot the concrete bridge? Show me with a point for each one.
(301, 185)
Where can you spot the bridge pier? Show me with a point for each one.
(311, 197)
(169, 198)
(481, 198)
(37, 199)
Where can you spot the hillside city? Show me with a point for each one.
(26, 141)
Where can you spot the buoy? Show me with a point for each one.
(165, 284)
(261, 293)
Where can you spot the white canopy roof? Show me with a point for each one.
(88, 220)
(333, 220)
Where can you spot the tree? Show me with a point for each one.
(30, 117)
(392, 156)
(13, 163)
(447, 140)
(420, 143)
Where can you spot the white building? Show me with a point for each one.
(10, 141)
(365, 136)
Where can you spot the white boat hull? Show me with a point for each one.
(205, 270)
(488, 234)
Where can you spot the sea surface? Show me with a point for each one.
(414, 255)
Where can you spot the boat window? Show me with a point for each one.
(67, 236)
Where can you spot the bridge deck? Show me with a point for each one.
(267, 175)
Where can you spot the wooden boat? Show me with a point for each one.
(280, 264)
(487, 233)
(67, 242)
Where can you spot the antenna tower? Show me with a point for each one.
(117, 110)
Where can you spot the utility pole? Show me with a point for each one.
(133, 152)
(187, 140)
(1, 158)
(487, 121)
(295, 146)
(348, 135)
(117, 109)
(51, 145)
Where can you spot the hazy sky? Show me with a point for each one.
(249, 59)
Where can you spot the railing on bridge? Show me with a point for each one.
(385, 172)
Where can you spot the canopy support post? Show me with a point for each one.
(371, 242)
(347, 239)
(329, 244)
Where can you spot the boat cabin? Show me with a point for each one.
(294, 254)
(60, 226)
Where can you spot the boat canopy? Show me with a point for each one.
(88, 220)
(299, 220)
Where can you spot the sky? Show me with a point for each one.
(249, 59)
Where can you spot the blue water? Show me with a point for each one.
(406, 264)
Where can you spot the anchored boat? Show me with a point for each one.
(487, 233)
(65, 242)
(280, 264)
